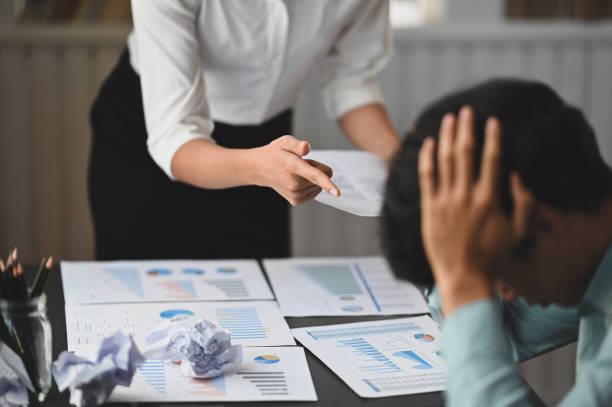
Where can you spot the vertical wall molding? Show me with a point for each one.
(48, 79)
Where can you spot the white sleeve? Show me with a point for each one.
(171, 76)
(361, 51)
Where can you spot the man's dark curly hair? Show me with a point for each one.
(549, 144)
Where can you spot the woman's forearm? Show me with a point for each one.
(370, 129)
(278, 165)
(205, 164)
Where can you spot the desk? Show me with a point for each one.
(331, 391)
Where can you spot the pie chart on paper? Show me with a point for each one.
(424, 337)
(267, 359)
(159, 272)
(171, 313)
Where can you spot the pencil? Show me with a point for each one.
(10, 261)
(16, 292)
(16, 333)
(39, 285)
(38, 277)
(21, 282)
(22, 328)
(10, 267)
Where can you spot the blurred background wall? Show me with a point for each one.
(55, 54)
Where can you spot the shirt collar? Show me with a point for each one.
(599, 291)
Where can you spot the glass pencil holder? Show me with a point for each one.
(30, 329)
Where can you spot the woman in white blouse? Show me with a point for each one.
(191, 156)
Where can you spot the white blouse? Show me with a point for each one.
(244, 61)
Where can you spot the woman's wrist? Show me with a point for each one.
(249, 163)
(207, 165)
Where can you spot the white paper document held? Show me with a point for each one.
(266, 374)
(250, 323)
(341, 286)
(359, 175)
(163, 280)
(380, 358)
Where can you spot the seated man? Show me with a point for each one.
(500, 196)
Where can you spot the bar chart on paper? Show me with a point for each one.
(380, 358)
(251, 323)
(267, 374)
(163, 280)
(341, 286)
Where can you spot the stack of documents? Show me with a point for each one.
(135, 297)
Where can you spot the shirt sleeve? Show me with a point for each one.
(593, 386)
(481, 370)
(529, 330)
(171, 76)
(350, 66)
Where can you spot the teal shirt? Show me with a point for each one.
(483, 340)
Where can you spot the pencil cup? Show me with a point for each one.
(30, 329)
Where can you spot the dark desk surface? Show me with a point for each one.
(331, 391)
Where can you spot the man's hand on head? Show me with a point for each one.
(464, 228)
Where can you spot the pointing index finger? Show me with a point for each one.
(317, 177)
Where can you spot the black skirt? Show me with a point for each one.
(139, 213)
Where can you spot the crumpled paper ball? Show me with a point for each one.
(199, 346)
(92, 373)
